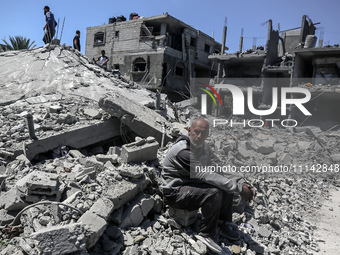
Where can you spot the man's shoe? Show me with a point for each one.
(209, 243)
(228, 232)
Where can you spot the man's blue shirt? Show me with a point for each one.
(50, 20)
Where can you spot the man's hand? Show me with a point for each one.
(248, 192)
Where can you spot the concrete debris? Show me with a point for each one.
(142, 150)
(38, 184)
(61, 239)
(137, 117)
(107, 187)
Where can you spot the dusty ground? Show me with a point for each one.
(329, 224)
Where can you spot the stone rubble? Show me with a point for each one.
(106, 200)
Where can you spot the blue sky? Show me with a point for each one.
(25, 17)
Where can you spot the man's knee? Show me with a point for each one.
(214, 195)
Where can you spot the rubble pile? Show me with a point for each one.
(99, 200)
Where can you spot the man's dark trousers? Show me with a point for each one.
(215, 204)
(49, 34)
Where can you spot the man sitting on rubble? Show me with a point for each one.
(185, 187)
(102, 60)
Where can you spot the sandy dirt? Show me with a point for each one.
(328, 225)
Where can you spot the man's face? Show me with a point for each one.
(198, 132)
(45, 11)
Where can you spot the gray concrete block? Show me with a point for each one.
(23, 158)
(133, 217)
(125, 191)
(88, 171)
(105, 158)
(61, 239)
(183, 217)
(133, 153)
(103, 207)
(5, 218)
(96, 226)
(76, 154)
(114, 150)
(12, 201)
(93, 162)
(40, 183)
(146, 205)
(93, 113)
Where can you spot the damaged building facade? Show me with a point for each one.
(290, 59)
(158, 52)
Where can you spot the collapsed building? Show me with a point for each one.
(80, 157)
(159, 52)
(289, 59)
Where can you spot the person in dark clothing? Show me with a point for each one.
(186, 186)
(76, 41)
(102, 60)
(49, 26)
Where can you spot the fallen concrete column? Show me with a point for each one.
(77, 138)
(140, 119)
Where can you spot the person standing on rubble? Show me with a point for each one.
(102, 60)
(76, 41)
(186, 187)
(49, 26)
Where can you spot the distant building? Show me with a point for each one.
(290, 59)
(159, 52)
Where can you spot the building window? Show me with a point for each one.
(193, 42)
(179, 70)
(99, 38)
(207, 48)
(117, 34)
(139, 65)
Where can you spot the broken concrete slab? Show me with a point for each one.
(12, 200)
(140, 119)
(103, 207)
(93, 113)
(134, 172)
(96, 226)
(77, 138)
(104, 158)
(5, 218)
(61, 239)
(76, 154)
(125, 191)
(87, 171)
(134, 214)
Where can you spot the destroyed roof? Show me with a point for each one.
(171, 20)
(57, 70)
(61, 88)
